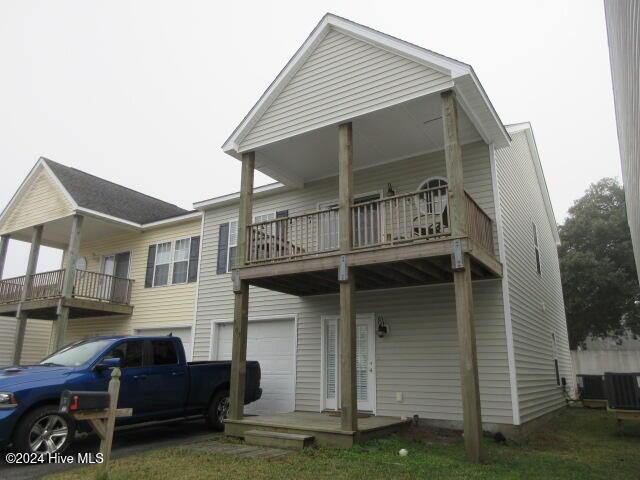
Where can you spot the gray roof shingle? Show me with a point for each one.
(106, 197)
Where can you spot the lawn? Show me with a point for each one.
(578, 444)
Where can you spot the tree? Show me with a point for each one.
(599, 280)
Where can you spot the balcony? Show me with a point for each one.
(94, 294)
(396, 241)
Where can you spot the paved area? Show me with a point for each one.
(238, 449)
(125, 442)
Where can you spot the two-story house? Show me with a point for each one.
(405, 265)
(130, 262)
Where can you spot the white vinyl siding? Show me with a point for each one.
(623, 26)
(36, 340)
(537, 306)
(419, 357)
(342, 78)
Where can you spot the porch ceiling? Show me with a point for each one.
(393, 133)
(56, 232)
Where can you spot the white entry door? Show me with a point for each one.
(270, 342)
(365, 362)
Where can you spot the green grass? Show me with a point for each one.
(578, 444)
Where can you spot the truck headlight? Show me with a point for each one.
(7, 400)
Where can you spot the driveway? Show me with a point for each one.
(125, 442)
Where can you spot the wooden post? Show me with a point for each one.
(4, 247)
(348, 388)
(70, 260)
(470, 389)
(241, 294)
(21, 317)
(453, 159)
(107, 441)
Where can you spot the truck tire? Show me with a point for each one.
(44, 430)
(218, 410)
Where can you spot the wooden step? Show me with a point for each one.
(290, 441)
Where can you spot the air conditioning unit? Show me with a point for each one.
(623, 390)
(591, 387)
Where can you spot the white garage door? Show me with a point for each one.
(272, 344)
(184, 333)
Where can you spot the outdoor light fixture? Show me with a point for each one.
(390, 191)
(382, 330)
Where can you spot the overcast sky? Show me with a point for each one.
(143, 93)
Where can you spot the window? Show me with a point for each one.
(129, 353)
(233, 245)
(163, 352)
(233, 237)
(181, 260)
(555, 358)
(173, 262)
(536, 249)
(163, 262)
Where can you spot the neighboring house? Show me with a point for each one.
(623, 27)
(600, 355)
(383, 248)
(36, 342)
(130, 263)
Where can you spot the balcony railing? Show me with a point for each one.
(89, 285)
(400, 219)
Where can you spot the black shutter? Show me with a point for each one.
(282, 214)
(223, 247)
(193, 259)
(151, 261)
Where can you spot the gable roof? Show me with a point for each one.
(470, 93)
(100, 195)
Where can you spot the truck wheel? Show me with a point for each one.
(218, 410)
(44, 430)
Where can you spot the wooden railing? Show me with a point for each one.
(401, 218)
(45, 285)
(99, 286)
(90, 285)
(479, 224)
(11, 289)
(293, 237)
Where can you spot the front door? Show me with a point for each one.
(365, 362)
(116, 267)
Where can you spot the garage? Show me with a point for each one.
(184, 333)
(272, 343)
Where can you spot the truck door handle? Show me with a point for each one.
(177, 374)
(139, 377)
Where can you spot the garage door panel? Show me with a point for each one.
(272, 344)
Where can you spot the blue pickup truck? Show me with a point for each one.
(157, 383)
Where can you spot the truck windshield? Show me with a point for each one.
(76, 354)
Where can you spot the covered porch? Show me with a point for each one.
(325, 428)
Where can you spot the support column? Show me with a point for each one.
(70, 260)
(346, 276)
(4, 247)
(241, 293)
(21, 317)
(472, 417)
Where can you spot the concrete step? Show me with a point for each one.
(290, 441)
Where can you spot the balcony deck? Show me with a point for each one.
(94, 294)
(397, 241)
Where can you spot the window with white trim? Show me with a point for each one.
(232, 247)
(181, 253)
(162, 264)
(536, 249)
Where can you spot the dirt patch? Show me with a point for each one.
(427, 435)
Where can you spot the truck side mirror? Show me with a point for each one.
(107, 363)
